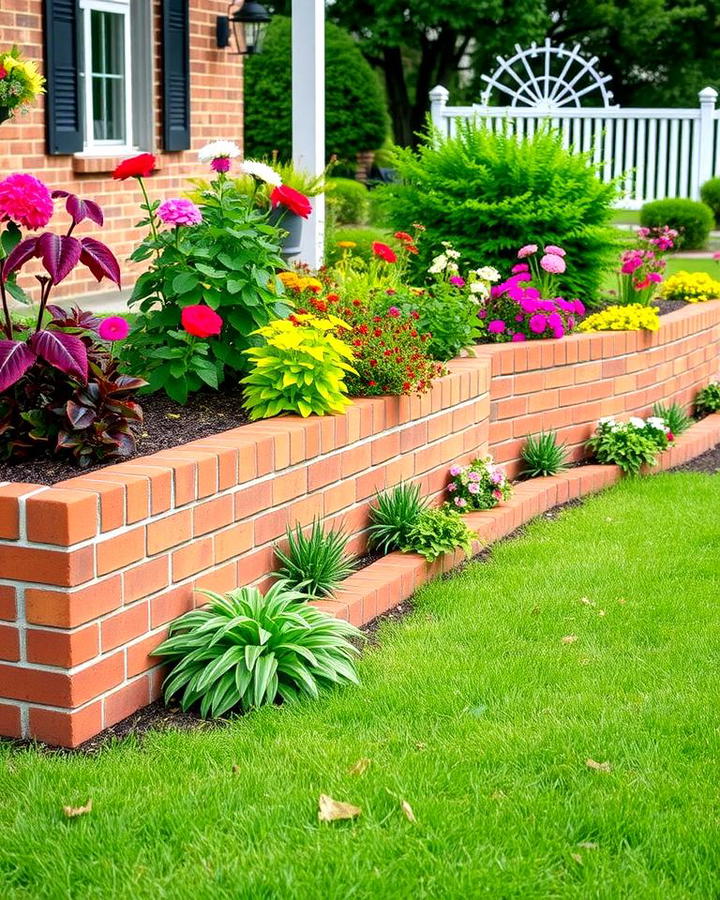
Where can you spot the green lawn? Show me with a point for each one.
(594, 637)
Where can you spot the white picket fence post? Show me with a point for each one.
(706, 137)
(439, 97)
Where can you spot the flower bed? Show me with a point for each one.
(93, 569)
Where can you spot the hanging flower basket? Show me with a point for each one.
(292, 224)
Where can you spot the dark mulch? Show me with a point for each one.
(709, 463)
(668, 306)
(166, 425)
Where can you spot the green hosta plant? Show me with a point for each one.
(245, 650)
(632, 444)
(708, 399)
(673, 415)
(315, 563)
(395, 512)
(438, 530)
(300, 368)
(543, 455)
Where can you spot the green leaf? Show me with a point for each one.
(185, 282)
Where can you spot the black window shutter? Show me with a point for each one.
(63, 124)
(176, 75)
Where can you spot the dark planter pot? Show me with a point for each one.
(4, 114)
(293, 225)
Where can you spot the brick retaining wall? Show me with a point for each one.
(93, 569)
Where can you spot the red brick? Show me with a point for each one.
(140, 654)
(62, 648)
(68, 609)
(169, 531)
(171, 604)
(7, 602)
(57, 516)
(9, 643)
(126, 700)
(213, 515)
(233, 541)
(136, 489)
(120, 550)
(288, 486)
(64, 728)
(64, 568)
(324, 471)
(125, 626)
(111, 497)
(192, 559)
(9, 509)
(10, 721)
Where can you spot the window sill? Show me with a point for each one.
(88, 164)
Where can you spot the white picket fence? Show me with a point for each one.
(656, 153)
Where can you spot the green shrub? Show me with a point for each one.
(630, 445)
(690, 217)
(245, 650)
(674, 416)
(348, 201)
(394, 514)
(490, 194)
(708, 399)
(316, 563)
(356, 116)
(543, 455)
(361, 238)
(301, 368)
(710, 195)
(436, 531)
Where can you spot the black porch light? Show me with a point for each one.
(248, 23)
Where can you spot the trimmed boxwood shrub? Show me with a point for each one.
(710, 194)
(356, 116)
(691, 218)
(348, 201)
(489, 194)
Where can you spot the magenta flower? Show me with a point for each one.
(579, 307)
(654, 277)
(179, 211)
(554, 250)
(538, 323)
(482, 314)
(527, 250)
(114, 328)
(25, 200)
(558, 332)
(529, 306)
(554, 320)
(220, 164)
(452, 486)
(497, 326)
(519, 317)
(394, 312)
(518, 336)
(520, 267)
(455, 471)
(460, 501)
(497, 477)
(552, 263)
(458, 281)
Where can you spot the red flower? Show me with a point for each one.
(291, 199)
(333, 298)
(201, 321)
(3, 72)
(136, 167)
(384, 252)
(670, 436)
(404, 237)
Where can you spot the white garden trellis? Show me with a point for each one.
(655, 152)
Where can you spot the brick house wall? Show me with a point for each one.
(216, 111)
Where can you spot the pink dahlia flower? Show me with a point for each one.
(518, 336)
(458, 281)
(579, 307)
(527, 250)
(25, 200)
(520, 267)
(497, 326)
(538, 323)
(552, 263)
(554, 250)
(114, 328)
(179, 211)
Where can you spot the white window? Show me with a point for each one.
(115, 75)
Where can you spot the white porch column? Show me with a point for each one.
(308, 113)
(706, 163)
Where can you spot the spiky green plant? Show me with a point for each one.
(314, 563)
(395, 513)
(543, 455)
(674, 416)
(245, 650)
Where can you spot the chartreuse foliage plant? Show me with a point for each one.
(543, 455)
(633, 317)
(438, 530)
(315, 563)
(246, 649)
(708, 399)
(300, 368)
(524, 192)
(632, 444)
(692, 287)
(393, 514)
(673, 415)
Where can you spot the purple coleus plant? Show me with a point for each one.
(59, 255)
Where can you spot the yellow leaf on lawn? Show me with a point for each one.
(598, 766)
(408, 811)
(73, 811)
(569, 639)
(360, 767)
(330, 810)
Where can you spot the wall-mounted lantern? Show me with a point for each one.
(248, 23)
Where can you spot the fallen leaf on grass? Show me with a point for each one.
(602, 612)
(578, 858)
(587, 601)
(588, 845)
(360, 767)
(420, 746)
(569, 639)
(408, 811)
(330, 810)
(598, 766)
(235, 768)
(73, 812)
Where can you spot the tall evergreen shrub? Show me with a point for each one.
(491, 193)
(356, 116)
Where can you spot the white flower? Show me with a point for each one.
(636, 422)
(452, 254)
(217, 150)
(262, 171)
(656, 422)
(438, 264)
(488, 273)
(479, 287)
(453, 267)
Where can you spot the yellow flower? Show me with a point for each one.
(346, 245)
(692, 287)
(308, 283)
(632, 317)
(289, 279)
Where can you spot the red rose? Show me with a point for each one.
(136, 167)
(201, 321)
(3, 72)
(384, 252)
(670, 437)
(291, 199)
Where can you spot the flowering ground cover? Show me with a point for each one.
(549, 717)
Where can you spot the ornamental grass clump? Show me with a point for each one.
(673, 415)
(479, 485)
(302, 367)
(246, 649)
(395, 512)
(633, 317)
(543, 455)
(692, 287)
(707, 400)
(314, 564)
(632, 444)
(436, 531)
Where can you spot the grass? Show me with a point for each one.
(474, 710)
